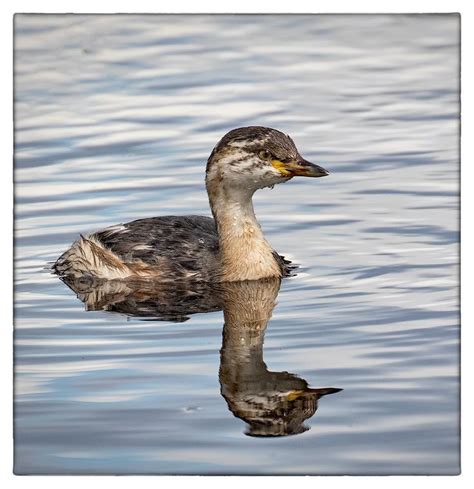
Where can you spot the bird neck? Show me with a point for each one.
(245, 254)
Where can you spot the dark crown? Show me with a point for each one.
(256, 138)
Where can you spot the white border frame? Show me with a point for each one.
(243, 6)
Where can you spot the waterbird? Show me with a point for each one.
(229, 247)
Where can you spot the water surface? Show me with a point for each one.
(115, 118)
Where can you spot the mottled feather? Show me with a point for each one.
(166, 247)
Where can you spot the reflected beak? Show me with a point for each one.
(324, 391)
(300, 168)
(292, 395)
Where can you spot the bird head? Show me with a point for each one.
(256, 157)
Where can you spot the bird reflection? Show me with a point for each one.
(271, 403)
(145, 299)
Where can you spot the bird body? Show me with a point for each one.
(146, 248)
(229, 247)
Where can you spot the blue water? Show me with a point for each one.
(115, 118)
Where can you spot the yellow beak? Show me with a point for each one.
(300, 168)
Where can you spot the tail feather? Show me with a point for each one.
(87, 257)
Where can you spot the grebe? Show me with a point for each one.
(231, 247)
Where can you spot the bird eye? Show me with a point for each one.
(265, 155)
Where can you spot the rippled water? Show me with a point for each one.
(115, 118)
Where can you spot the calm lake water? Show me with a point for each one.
(115, 118)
